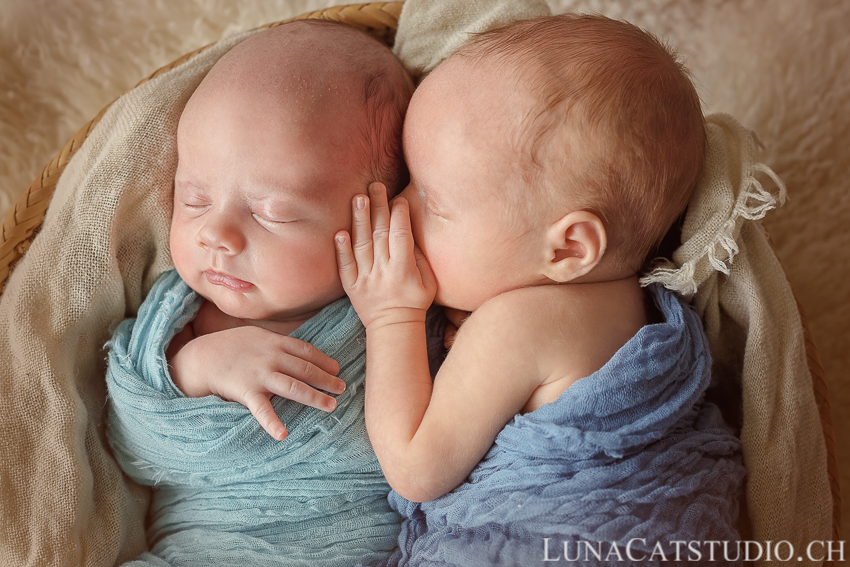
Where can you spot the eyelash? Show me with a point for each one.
(270, 221)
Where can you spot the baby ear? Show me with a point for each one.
(575, 245)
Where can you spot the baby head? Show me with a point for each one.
(285, 129)
(565, 146)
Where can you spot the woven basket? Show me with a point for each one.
(379, 19)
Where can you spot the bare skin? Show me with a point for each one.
(546, 309)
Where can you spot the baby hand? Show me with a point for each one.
(249, 365)
(386, 276)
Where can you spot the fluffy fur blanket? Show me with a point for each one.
(778, 66)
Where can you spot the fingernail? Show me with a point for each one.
(376, 188)
(332, 404)
(360, 202)
(340, 239)
(280, 433)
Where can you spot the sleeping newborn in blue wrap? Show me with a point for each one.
(284, 130)
(547, 160)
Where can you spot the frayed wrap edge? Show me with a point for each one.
(752, 204)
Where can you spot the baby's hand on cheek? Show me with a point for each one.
(249, 365)
(386, 276)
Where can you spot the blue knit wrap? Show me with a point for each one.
(226, 492)
(630, 456)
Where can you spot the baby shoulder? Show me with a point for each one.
(583, 323)
(524, 314)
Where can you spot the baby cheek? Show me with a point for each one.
(306, 258)
(447, 272)
(180, 243)
(455, 267)
(441, 261)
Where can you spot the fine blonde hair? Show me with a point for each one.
(618, 126)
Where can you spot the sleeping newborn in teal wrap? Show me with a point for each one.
(285, 129)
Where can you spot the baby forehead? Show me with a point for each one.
(465, 99)
(303, 88)
(307, 61)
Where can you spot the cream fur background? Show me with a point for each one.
(779, 66)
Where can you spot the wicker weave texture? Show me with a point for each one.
(379, 19)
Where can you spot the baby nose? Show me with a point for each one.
(220, 235)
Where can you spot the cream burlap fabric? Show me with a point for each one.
(103, 243)
(63, 500)
(739, 289)
(431, 30)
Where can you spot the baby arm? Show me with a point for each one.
(249, 365)
(427, 439)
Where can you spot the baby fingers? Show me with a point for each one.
(261, 408)
(310, 372)
(290, 388)
(361, 233)
(298, 351)
(401, 237)
(380, 220)
(370, 228)
(345, 261)
(301, 389)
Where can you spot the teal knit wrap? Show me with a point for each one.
(226, 493)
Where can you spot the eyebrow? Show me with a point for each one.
(188, 186)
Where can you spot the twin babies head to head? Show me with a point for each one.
(553, 150)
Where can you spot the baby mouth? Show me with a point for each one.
(231, 283)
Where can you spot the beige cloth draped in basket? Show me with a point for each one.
(726, 264)
(103, 243)
(64, 501)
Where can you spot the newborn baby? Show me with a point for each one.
(547, 159)
(284, 130)
(270, 152)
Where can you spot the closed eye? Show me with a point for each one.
(265, 220)
(195, 207)
(190, 195)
